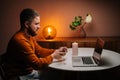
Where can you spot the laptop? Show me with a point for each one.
(93, 60)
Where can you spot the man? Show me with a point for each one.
(24, 56)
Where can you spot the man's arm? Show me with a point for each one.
(27, 53)
(42, 52)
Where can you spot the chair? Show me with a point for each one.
(2, 72)
(3, 76)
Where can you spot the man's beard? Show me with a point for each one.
(31, 32)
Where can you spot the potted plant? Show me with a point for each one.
(78, 22)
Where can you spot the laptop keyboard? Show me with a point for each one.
(87, 60)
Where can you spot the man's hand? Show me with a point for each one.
(58, 53)
(63, 49)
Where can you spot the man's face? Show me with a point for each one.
(34, 26)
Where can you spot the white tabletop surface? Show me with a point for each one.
(110, 59)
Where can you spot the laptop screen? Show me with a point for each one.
(98, 49)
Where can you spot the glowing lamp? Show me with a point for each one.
(49, 32)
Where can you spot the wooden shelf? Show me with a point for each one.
(69, 39)
(111, 43)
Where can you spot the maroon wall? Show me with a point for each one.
(60, 13)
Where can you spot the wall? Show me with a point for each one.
(60, 13)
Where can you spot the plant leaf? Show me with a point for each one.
(75, 18)
(72, 28)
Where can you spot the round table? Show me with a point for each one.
(110, 59)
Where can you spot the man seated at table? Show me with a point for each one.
(24, 56)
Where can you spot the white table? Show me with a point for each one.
(110, 59)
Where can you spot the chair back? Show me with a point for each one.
(2, 73)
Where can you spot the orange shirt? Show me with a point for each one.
(24, 54)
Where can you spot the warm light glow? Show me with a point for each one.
(88, 18)
(49, 32)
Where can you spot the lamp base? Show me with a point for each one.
(49, 37)
(82, 33)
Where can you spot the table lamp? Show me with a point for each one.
(49, 32)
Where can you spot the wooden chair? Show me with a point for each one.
(2, 72)
(3, 76)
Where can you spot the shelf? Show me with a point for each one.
(111, 43)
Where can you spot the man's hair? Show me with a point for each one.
(27, 14)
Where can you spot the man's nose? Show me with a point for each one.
(38, 26)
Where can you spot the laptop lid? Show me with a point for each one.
(98, 49)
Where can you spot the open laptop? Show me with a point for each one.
(90, 60)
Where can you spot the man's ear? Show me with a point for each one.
(27, 24)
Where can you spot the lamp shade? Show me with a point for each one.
(88, 18)
(49, 32)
